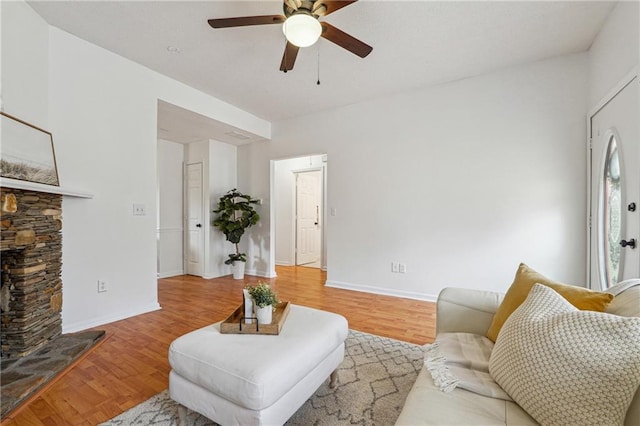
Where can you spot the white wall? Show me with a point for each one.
(25, 63)
(461, 181)
(170, 209)
(615, 51)
(284, 198)
(223, 173)
(102, 111)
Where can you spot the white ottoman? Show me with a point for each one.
(248, 379)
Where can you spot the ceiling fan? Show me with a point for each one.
(302, 28)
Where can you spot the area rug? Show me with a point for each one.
(374, 380)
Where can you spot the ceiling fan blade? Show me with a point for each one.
(289, 57)
(344, 40)
(293, 4)
(330, 6)
(246, 20)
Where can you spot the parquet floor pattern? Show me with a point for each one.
(131, 365)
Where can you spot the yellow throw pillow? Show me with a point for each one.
(581, 298)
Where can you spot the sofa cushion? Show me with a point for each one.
(525, 278)
(627, 302)
(567, 366)
(426, 405)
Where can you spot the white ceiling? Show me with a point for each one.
(415, 44)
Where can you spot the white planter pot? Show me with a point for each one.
(248, 307)
(265, 315)
(238, 270)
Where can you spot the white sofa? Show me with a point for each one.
(471, 311)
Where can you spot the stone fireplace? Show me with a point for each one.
(31, 251)
(34, 351)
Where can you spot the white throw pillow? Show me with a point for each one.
(565, 366)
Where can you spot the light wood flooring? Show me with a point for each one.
(131, 365)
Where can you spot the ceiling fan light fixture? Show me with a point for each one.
(302, 29)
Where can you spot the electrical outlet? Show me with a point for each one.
(402, 268)
(139, 210)
(394, 267)
(102, 286)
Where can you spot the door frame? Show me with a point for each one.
(622, 84)
(274, 203)
(294, 223)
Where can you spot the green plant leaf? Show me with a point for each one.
(235, 215)
(262, 295)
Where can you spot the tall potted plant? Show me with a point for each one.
(235, 214)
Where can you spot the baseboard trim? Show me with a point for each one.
(281, 263)
(95, 322)
(383, 291)
(170, 274)
(260, 273)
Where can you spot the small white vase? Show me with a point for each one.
(248, 307)
(265, 315)
(238, 270)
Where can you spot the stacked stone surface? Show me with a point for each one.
(31, 292)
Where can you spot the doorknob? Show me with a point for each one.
(631, 243)
(198, 225)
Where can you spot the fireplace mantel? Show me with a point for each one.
(31, 186)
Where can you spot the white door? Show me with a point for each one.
(615, 189)
(195, 233)
(308, 212)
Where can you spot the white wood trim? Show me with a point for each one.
(260, 273)
(626, 80)
(383, 291)
(294, 215)
(308, 169)
(39, 187)
(170, 274)
(616, 89)
(84, 325)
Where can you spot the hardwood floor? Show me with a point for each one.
(131, 365)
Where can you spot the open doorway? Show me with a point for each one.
(197, 163)
(299, 200)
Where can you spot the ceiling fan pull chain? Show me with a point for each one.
(318, 83)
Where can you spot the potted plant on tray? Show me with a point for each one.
(264, 300)
(236, 214)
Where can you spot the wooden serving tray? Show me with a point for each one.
(234, 324)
